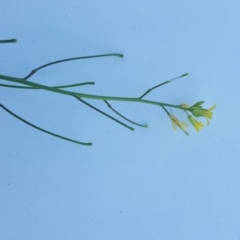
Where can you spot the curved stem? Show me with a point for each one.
(72, 59)
(119, 114)
(41, 129)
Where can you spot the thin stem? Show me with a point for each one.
(108, 104)
(61, 86)
(72, 59)
(168, 81)
(82, 95)
(165, 110)
(75, 85)
(105, 114)
(8, 41)
(186, 112)
(43, 130)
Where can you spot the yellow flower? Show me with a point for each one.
(176, 123)
(195, 123)
(198, 111)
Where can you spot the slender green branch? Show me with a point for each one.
(150, 89)
(41, 129)
(89, 96)
(105, 114)
(165, 110)
(61, 86)
(71, 59)
(75, 85)
(8, 41)
(109, 105)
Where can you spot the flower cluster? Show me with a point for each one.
(197, 111)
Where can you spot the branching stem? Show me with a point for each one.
(83, 95)
(105, 114)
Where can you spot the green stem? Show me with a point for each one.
(161, 84)
(41, 129)
(61, 86)
(109, 105)
(83, 95)
(71, 59)
(165, 110)
(105, 114)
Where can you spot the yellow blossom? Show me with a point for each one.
(198, 111)
(195, 123)
(176, 123)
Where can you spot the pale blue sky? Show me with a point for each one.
(148, 184)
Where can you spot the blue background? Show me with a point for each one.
(148, 184)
